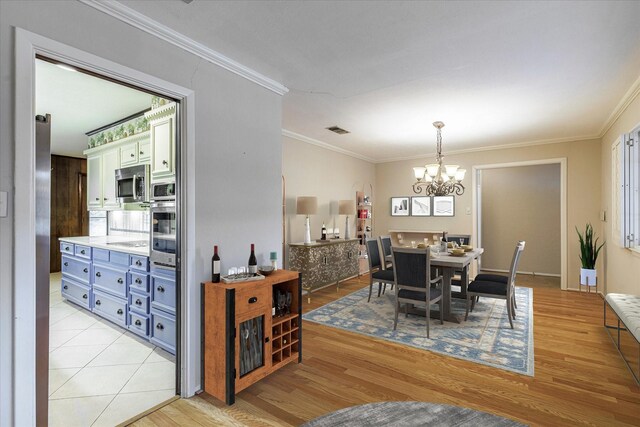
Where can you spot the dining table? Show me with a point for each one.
(448, 264)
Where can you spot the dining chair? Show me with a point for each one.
(385, 244)
(495, 286)
(376, 273)
(414, 286)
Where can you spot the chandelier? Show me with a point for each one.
(437, 179)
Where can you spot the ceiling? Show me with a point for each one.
(79, 103)
(497, 73)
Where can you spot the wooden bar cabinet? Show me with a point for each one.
(242, 341)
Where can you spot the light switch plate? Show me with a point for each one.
(468, 211)
(4, 196)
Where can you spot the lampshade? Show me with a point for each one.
(306, 205)
(347, 207)
(432, 170)
(419, 171)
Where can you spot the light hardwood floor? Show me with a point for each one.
(580, 379)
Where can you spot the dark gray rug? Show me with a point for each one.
(408, 414)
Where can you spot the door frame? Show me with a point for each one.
(27, 46)
(477, 204)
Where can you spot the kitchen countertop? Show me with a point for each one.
(323, 243)
(109, 242)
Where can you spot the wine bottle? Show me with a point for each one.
(253, 263)
(215, 266)
(324, 232)
(443, 244)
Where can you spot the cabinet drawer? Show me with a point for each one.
(66, 248)
(129, 154)
(101, 255)
(144, 151)
(253, 298)
(118, 258)
(163, 331)
(138, 303)
(76, 268)
(111, 280)
(109, 307)
(139, 262)
(139, 282)
(76, 293)
(139, 323)
(83, 251)
(163, 293)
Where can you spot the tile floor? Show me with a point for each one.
(99, 373)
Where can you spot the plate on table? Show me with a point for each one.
(458, 255)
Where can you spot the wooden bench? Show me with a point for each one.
(622, 323)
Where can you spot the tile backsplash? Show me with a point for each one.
(129, 223)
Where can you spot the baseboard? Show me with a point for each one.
(528, 273)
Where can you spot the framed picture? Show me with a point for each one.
(421, 206)
(399, 206)
(443, 206)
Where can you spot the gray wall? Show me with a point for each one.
(522, 203)
(238, 143)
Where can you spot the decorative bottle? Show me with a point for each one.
(215, 266)
(253, 263)
(324, 232)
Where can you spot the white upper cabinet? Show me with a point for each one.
(94, 181)
(162, 127)
(110, 162)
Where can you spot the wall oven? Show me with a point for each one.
(163, 226)
(132, 184)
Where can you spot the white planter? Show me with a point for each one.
(587, 277)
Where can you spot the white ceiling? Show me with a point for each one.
(495, 72)
(79, 103)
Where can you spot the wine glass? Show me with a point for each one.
(288, 302)
(241, 272)
(461, 241)
(232, 272)
(282, 300)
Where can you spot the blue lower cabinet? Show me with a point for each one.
(101, 255)
(83, 251)
(110, 279)
(78, 269)
(119, 258)
(139, 282)
(139, 303)
(67, 248)
(139, 324)
(110, 307)
(163, 330)
(163, 292)
(75, 292)
(139, 263)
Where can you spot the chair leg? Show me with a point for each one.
(473, 303)
(406, 310)
(514, 300)
(379, 289)
(384, 288)
(441, 314)
(513, 307)
(395, 318)
(370, 289)
(428, 316)
(466, 314)
(509, 313)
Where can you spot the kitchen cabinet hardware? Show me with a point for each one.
(253, 300)
(83, 252)
(138, 302)
(164, 162)
(98, 274)
(120, 280)
(98, 302)
(133, 155)
(160, 289)
(138, 322)
(160, 326)
(65, 287)
(119, 311)
(66, 264)
(84, 296)
(86, 270)
(138, 281)
(138, 263)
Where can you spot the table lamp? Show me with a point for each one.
(307, 205)
(347, 207)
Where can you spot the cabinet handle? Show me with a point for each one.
(97, 199)
(119, 311)
(267, 339)
(106, 199)
(164, 162)
(138, 281)
(86, 270)
(138, 323)
(253, 300)
(138, 302)
(160, 289)
(98, 274)
(82, 252)
(98, 302)
(120, 281)
(66, 248)
(138, 263)
(66, 264)
(160, 326)
(142, 152)
(65, 287)
(133, 155)
(84, 296)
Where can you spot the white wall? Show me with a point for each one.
(521, 203)
(238, 143)
(310, 170)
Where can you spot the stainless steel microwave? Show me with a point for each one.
(132, 184)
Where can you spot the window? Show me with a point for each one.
(626, 177)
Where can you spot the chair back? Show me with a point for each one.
(514, 264)
(385, 243)
(411, 268)
(373, 254)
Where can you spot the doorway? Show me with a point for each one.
(523, 201)
(27, 401)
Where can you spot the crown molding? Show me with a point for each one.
(138, 20)
(326, 146)
(627, 99)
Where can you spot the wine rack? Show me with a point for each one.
(242, 341)
(284, 339)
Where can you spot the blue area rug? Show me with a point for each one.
(485, 338)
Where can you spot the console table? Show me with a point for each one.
(324, 263)
(242, 341)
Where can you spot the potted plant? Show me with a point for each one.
(589, 251)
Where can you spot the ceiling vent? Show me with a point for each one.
(187, 1)
(337, 130)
